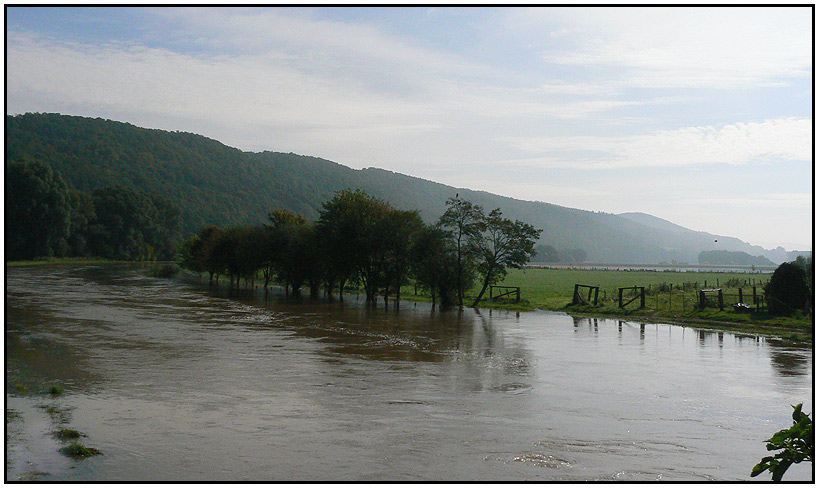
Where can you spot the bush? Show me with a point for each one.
(787, 291)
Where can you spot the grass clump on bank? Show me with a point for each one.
(56, 390)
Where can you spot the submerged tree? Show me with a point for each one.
(351, 227)
(434, 265)
(462, 221)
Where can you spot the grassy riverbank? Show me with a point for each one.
(671, 296)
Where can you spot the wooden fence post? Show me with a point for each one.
(719, 297)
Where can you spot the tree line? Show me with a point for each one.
(45, 217)
(359, 239)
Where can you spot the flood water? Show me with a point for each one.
(172, 381)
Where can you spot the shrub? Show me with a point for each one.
(787, 291)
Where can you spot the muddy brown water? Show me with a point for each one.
(173, 381)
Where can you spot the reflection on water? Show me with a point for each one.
(173, 381)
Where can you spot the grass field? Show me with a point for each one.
(670, 296)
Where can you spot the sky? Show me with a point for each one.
(700, 116)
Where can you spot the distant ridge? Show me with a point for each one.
(217, 184)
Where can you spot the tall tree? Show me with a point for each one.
(434, 265)
(349, 225)
(38, 210)
(462, 220)
(505, 244)
(398, 231)
(291, 243)
(132, 225)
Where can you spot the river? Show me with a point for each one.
(175, 382)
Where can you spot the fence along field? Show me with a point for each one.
(554, 288)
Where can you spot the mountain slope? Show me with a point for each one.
(217, 184)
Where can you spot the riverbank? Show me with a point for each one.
(671, 296)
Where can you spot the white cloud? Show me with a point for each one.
(740, 143)
(672, 47)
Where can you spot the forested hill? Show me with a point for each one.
(217, 184)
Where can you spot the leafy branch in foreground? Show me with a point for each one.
(796, 443)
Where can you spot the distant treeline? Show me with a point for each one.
(548, 254)
(735, 258)
(363, 240)
(45, 217)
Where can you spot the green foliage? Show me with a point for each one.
(787, 292)
(462, 221)
(55, 390)
(38, 210)
(67, 434)
(435, 265)
(131, 225)
(77, 450)
(795, 445)
(503, 244)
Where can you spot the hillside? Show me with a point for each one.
(217, 184)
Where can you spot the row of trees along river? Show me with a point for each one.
(361, 239)
(46, 217)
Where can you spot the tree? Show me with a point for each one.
(83, 215)
(38, 210)
(505, 244)
(462, 221)
(546, 254)
(398, 230)
(292, 244)
(196, 253)
(795, 445)
(573, 255)
(434, 265)
(349, 226)
(787, 291)
(131, 225)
